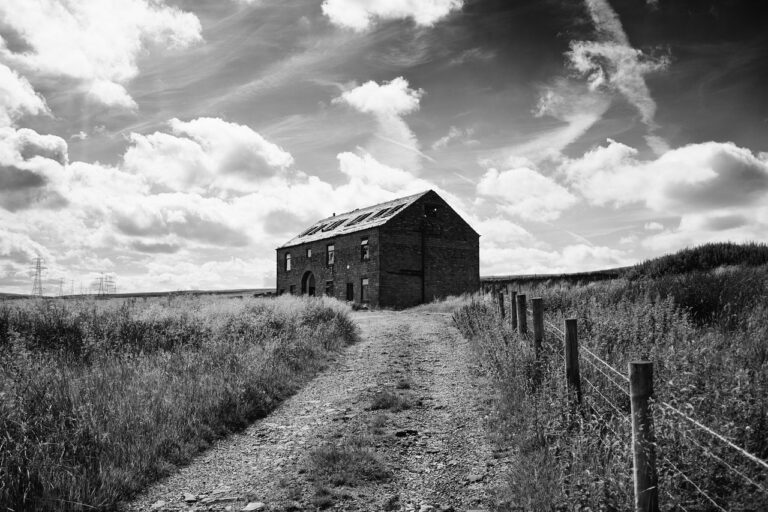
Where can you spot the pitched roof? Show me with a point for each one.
(356, 220)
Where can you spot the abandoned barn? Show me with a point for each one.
(395, 254)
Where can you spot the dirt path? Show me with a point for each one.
(327, 448)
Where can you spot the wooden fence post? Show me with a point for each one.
(643, 452)
(512, 307)
(572, 376)
(501, 305)
(522, 318)
(537, 305)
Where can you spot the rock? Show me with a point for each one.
(447, 508)
(406, 432)
(157, 505)
(189, 498)
(453, 462)
(254, 505)
(292, 506)
(426, 508)
(475, 477)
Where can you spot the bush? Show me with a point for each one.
(131, 392)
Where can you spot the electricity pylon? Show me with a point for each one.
(37, 282)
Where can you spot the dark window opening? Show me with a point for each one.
(287, 261)
(365, 253)
(350, 292)
(364, 289)
(330, 254)
(329, 289)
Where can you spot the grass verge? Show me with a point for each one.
(99, 399)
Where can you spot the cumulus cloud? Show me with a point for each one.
(206, 153)
(499, 260)
(359, 14)
(526, 193)
(394, 143)
(17, 97)
(719, 190)
(653, 226)
(94, 42)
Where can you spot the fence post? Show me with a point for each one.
(512, 308)
(501, 305)
(537, 305)
(572, 375)
(522, 318)
(643, 452)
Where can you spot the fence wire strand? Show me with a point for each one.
(699, 489)
(618, 386)
(711, 432)
(711, 454)
(613, 406)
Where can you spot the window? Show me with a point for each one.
(364, 289)
(329, 290)
(358, 219)
(334, 225)
(430, 210)
(292, 289)
(379, 213)
(393, 210)
(365, 253)
(309, 253)
(330, 256)
(287, 261)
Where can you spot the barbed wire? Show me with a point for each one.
(711, 454)
(618, 386)
(711, 432)
(699, 489)
(613, 406)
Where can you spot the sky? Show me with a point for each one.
(174, 144)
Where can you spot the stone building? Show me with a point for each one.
(395, 254)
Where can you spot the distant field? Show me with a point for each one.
(99, 398)
(701, 316)
(245, 292)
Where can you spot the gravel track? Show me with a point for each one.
(436, 452)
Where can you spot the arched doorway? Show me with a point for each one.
(308, 284)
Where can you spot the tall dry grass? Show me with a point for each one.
(707, 338)
(99, 399)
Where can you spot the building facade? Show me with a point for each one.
(396, 254)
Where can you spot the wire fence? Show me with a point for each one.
(618, 387)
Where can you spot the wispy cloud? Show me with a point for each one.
(611, 63)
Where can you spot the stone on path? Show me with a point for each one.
(254, 505)
(157, 505)
(189, 498)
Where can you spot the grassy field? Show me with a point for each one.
(97, 399)
(704, 326)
